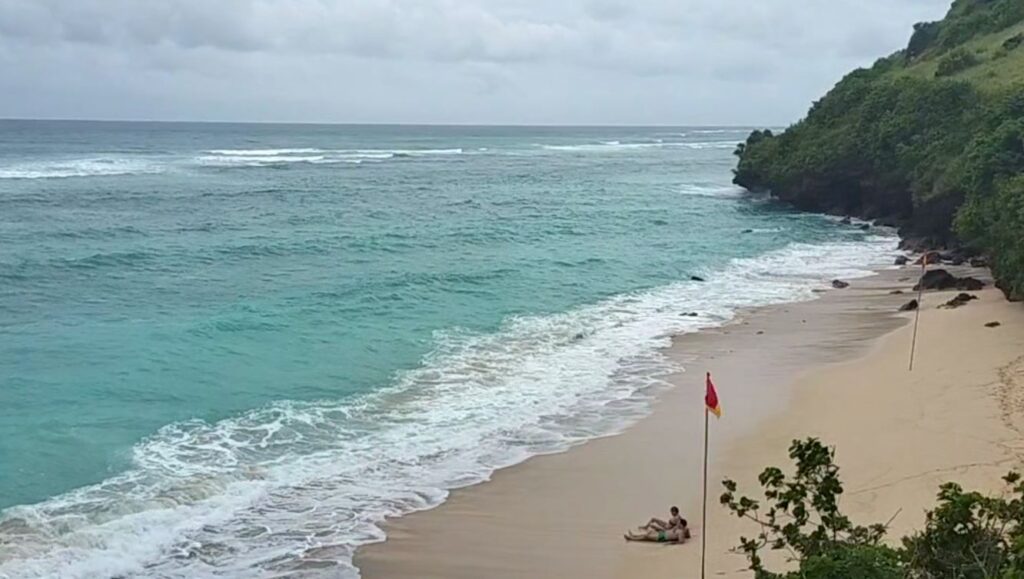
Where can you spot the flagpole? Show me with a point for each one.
(704, 514)
(917, 312)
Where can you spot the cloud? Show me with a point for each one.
(338, 58)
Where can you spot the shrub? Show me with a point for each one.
(801, 516)
(954, 62)
(967, 536)
(1013, 42)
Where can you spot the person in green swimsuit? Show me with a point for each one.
(677, 534)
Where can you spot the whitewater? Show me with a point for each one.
(237, 359)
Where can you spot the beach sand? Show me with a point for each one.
(834, 368)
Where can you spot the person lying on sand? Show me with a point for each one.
(677, 534)
(656, 524)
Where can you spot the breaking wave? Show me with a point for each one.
(294, 488)
(90, 167)
(266, 157)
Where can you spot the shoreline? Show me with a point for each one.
(562, 515)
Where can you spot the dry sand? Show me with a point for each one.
(835, 368)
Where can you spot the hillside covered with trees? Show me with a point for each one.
(929, 139)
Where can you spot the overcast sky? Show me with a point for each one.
(686, 62)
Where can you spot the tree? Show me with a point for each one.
(801, 517)
(969, 535)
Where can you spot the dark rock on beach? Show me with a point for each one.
(840, 284)
(1008, 292)
(902, 260)
(909, 306)
(896, 292)
(960, 300)
(940, 279)
(969, 284)
(992, 325)
(915, 244)
(930, 257)
(953, 257)
(936, 279)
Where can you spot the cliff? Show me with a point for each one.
(929, 139)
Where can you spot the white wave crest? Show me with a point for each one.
(270, 157)
(263, 152)
(715, 191)
(297, 487)
(617, 146)
(91, 167)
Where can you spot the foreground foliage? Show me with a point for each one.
(930, 139)
(967, 536)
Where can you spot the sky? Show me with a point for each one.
(644, 62)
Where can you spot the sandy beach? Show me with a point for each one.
(834, 368)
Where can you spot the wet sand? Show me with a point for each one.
(835, 368)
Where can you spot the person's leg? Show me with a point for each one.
(648, 536)
(654, 524)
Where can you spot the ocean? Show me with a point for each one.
(230, 350)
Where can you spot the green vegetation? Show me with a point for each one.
(956, 61)
(967, 536)
(930, 139)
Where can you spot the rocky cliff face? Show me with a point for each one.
(930, 139)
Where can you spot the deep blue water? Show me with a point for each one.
(207, 330)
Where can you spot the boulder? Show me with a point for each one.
(840, 284)
(902, 260)
(960, 300)
(846, 220)
(952, 257)
(915, 244)
(940, 279)
(992, 325)
(909, 306)
(978, 262)
(929, 257)
(936, 279)
(1008, 292)
(696, 278)
(969, 284)
(865, 226)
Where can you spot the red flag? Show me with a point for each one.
(711, 398)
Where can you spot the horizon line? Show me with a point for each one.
(377, 124)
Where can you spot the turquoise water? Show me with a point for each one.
(210, 332)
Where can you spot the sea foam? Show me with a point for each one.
(270, 157)
(89, 167)
(297, 487)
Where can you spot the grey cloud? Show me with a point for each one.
(467, 60)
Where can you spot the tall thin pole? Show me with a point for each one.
(917, 312)
(704, 514)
